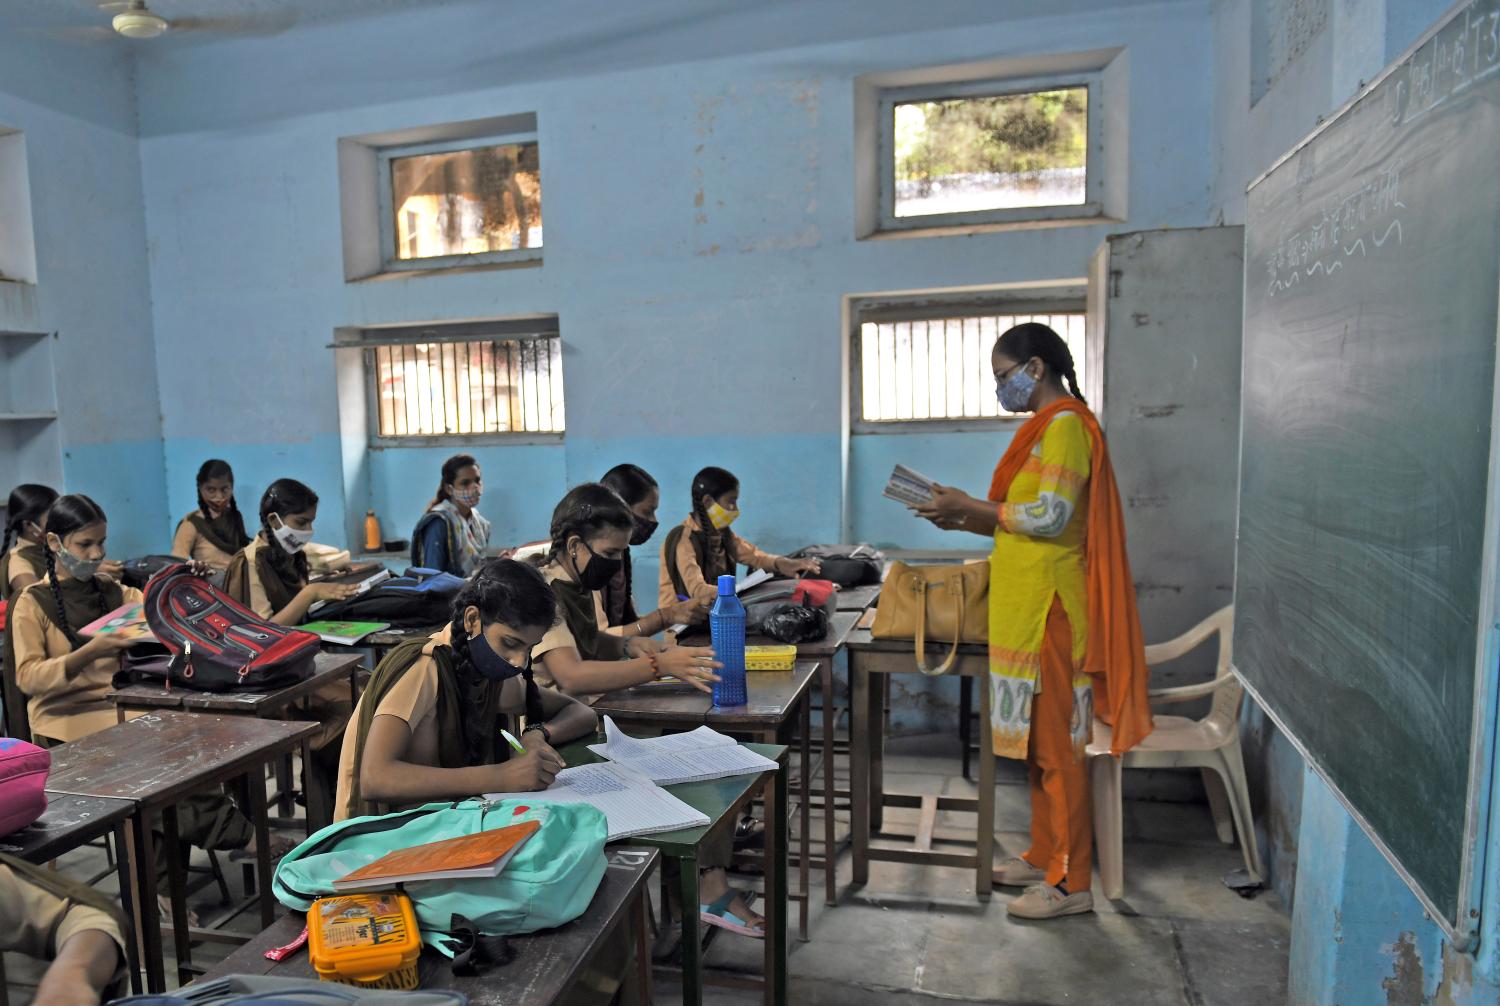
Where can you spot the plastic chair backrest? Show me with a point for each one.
(1228, 692)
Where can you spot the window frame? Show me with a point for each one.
(368, 340)
(385, 196)
(1093, 206)
(878, 310)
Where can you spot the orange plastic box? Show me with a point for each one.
(369, 940)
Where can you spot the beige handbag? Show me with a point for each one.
(949, 603)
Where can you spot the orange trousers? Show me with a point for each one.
(1062, 825)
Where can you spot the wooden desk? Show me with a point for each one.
(69, 823)
(328, 670)
(155, 760)
(605, 949)
(868, 657)
(778, 703)
(722, 801)
(839, 627)
(857, 598)
(383, 642)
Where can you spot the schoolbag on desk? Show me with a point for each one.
(218, 645)
(23, 783)
(417, 598)
(845, 565)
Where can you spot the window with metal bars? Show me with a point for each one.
(469, 388)
(913, 371)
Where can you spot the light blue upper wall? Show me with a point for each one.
(699, 225)
(75, 107)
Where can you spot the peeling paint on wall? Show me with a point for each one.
(1404, 986)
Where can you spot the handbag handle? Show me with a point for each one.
(921, 633)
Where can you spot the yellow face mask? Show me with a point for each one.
(721, 518)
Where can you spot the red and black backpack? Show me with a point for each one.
(217, 644)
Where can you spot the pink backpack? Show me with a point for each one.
(23, 783)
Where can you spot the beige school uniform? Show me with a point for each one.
(561, 637)
(190, 544)
(61, 707)
(257, 602)
(413, 700)
(692, 574)
(37, 922)
(16, 565)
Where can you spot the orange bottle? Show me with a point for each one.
(372, 532)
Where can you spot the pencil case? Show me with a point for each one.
(369, 940)
(770, 658)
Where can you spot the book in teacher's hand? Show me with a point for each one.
(482, 854)
(347, 633)
(127, 621)
(909, 487)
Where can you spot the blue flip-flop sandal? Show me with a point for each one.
(718, 914)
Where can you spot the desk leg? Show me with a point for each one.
(985, 836)
(776, 892)
(642, 921)
(128, 898)
(879, 690)
(262, 845)
(177, 888)
(965, 716)
(859, 768)
(804, 854)
(148, 916)
(692, 948)
(830, 871)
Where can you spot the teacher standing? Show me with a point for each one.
(1064, 633)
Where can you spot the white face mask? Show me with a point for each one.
(290, 539)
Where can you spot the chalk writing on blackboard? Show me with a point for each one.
(1368, 211)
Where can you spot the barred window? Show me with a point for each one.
(923, 370)
(467, 388)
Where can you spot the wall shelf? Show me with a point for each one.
(26, 417)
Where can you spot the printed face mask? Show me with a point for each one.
(597, 574)
(489, 663)
(721, 518)
(644, 529)
(78, 569)
(1015, 394)
(215, 507)
(289, 538)
(467, 497)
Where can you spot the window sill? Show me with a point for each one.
(939, 426)
(992, 227)
(447, 270)
(467, 440)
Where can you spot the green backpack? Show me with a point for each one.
(549, 881)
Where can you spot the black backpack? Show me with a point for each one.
(138, 572)
(847, 566)
(416, 599)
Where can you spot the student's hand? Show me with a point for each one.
(693, 664)
(112, 568)
(331, 591)
(947, 504)
(200, 568)
(686, 612)
(534, 770)
(640, 646)
(798, 567)
(107, 645)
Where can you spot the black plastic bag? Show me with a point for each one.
(794, 623)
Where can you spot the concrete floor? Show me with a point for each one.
(917, 935)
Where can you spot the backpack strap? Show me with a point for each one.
(237, 578)
(669, 559)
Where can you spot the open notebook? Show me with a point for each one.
(698, 756)
(632, 803)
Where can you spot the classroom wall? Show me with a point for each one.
(74, 106)
(697, 162)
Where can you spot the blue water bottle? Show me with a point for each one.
(726, 624)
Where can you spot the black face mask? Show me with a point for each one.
(644, 529)
(489, 663)
(597, 574)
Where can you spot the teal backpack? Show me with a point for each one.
(549, 881)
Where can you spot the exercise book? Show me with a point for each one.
(698, 756)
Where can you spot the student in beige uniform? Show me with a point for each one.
(52, 918)
(428, 726)
(22, 563)
(591, 531)
(214, 532)
(617, 603)
(702, 549)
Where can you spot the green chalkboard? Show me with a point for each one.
(1372, 258)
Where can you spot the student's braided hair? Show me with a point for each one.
(282, 497)
(714, 482)
(66, 515)
(27, 502)
(1033, 338)
(584, 512)
(502, 590)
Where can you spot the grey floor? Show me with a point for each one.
(917, 935)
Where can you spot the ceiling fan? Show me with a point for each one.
(133, 19)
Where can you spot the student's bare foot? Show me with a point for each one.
(720, 906)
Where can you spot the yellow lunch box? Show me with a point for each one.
(369, 940)
(770, 658)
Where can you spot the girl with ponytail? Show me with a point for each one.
(591, 529)
(702, 548)
(214, 532)
(428, 725)
(643, 496)
(22, 563)
(269, 575)
(452, 535)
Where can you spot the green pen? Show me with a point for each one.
(511, 738)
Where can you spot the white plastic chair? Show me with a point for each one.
(1211, 745)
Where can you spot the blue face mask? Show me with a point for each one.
(489, 663)
(1015, 394)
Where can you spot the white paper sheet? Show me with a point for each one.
(698, 756)
(632, 803)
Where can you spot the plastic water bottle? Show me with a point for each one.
(726, 625)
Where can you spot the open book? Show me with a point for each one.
(631, 803)
(127, 621)
(482, 854)
(347, 633)
(698, 756)
(909, 487)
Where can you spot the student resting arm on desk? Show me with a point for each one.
(269, 575)
(50, 917)
(641, 493)
(591, 530)
(428, 725)
(702, 548)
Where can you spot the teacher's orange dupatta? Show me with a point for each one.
(1115, 654)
